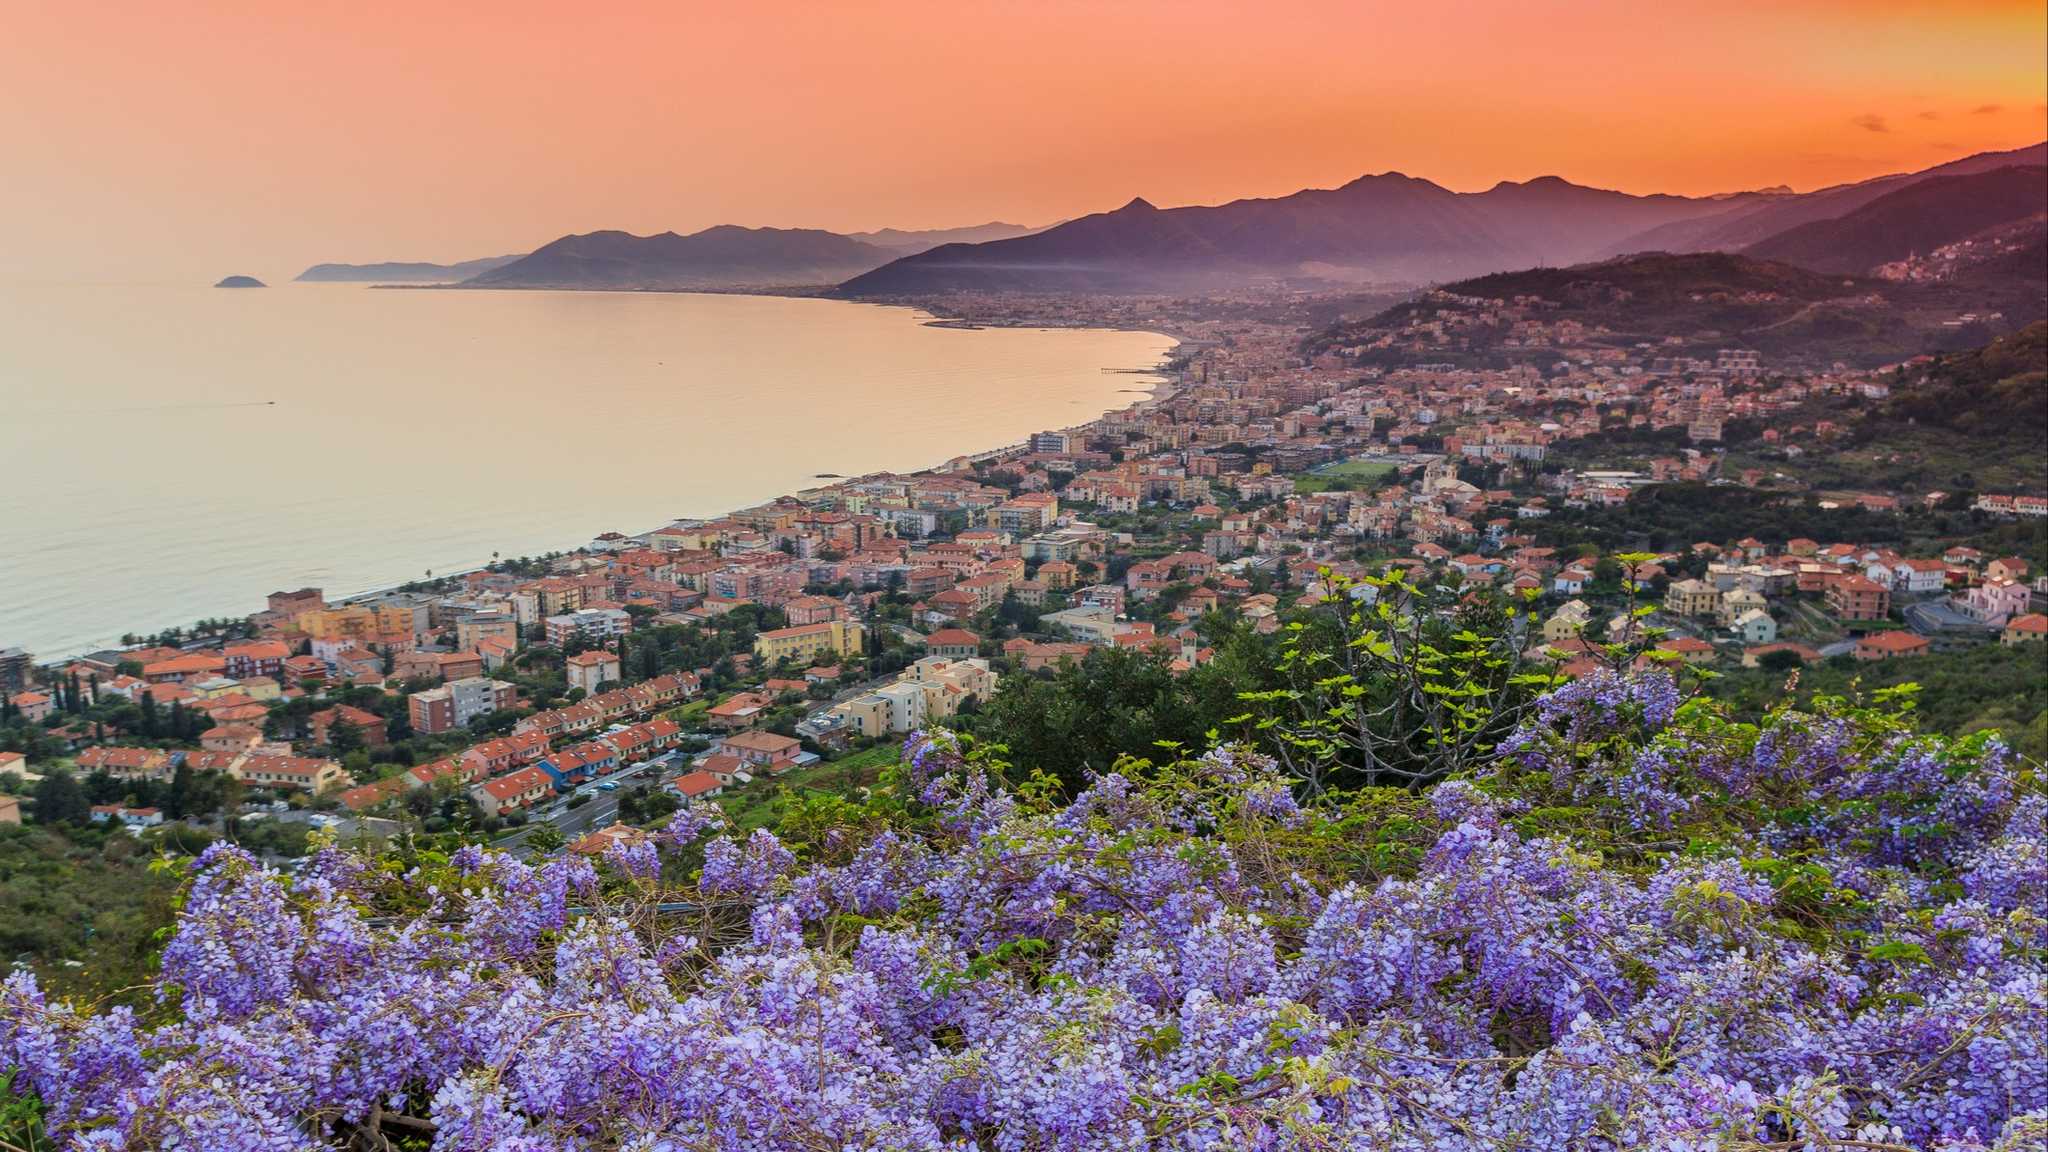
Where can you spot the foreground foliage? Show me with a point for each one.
(1639, 925)
(80, 905)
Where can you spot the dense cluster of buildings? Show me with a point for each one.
(1254, 469)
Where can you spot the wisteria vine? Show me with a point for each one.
(1642, 927)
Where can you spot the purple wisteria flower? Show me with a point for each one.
(1784, 936)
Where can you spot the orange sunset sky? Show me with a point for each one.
(151, 140)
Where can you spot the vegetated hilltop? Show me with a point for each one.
(716, 258)
(403, 271)
(1981, 415)
(1667, 293)
(1913, 220)
(1704, 301)
(1997, 391)
(1974, 421)
(1710, 295)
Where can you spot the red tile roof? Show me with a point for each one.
(514, 784)
(697, 783)
(762, 742)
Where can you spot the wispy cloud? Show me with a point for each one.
(1871, 122)
(1930, 115)
(1987, 109)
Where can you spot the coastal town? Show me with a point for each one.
(1136, 577)
(1481, 444)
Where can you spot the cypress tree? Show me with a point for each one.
(178, 800)
(59, 800)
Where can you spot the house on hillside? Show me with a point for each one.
(1756, 626)
(1890, 646)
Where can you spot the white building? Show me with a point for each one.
(589, 623)
(587, 670)
(1756, 626)
(1919, 576)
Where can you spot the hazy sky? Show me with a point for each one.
(157, 140)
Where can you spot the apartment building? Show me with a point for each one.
(454, 704)
(804, 643)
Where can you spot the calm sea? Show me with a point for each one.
(173, 453)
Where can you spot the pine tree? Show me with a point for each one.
(343, 737)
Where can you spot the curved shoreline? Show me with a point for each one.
(1162, 390)
(940, 451)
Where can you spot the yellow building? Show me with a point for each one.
(868, 715)
(934, 688)
(776, 517)
(558, 596)
(345, 623)
(806, 642)
(1739, 602)
(1567, 622)
(401, 620)
(1058, 575)
(1692, 598)
(472, 631)
(2029, 629)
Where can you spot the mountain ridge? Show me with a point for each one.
(1912, 219)
(908, 241)
(401, 271)
(1753, 221)
(723, 256)
(1385, 227)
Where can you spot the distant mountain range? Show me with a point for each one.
(909, 243)
(401, 272)
(721, 258)
(716, 258)
(1387, 228)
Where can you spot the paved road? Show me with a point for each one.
(601, 810)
